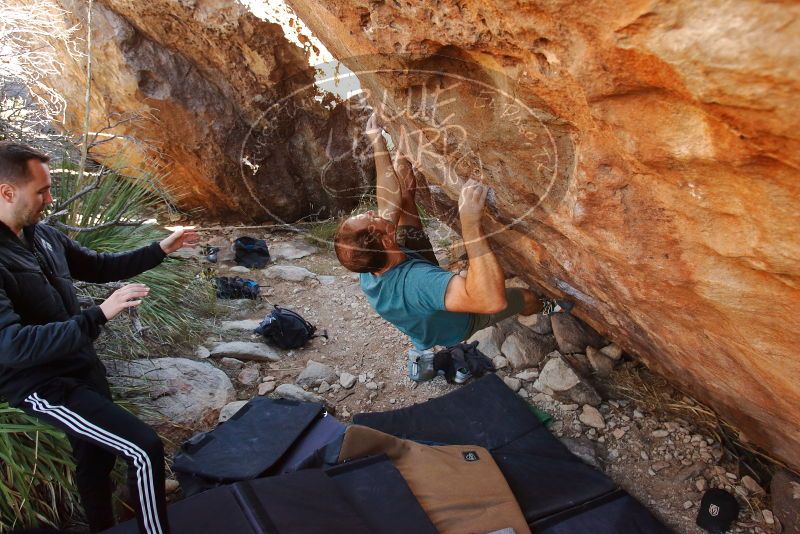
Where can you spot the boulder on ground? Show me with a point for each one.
(245, 350)
(244, 324)
(537, 322)
(572, 334)
(559, 380)
(556, 376)
(296, 393)
(289, 273)
(315, 374)
(230, 409)
(601, 364)
(525, 349)
(182, 391)
(489, 341)
(785, 490)
(291, 250)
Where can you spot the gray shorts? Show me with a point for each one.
(515, 304)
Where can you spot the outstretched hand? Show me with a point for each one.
(184, 237)
(125, 297)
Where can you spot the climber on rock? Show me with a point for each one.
(401, 276)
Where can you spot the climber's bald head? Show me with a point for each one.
(362, 242)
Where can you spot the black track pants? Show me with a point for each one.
(99, 431)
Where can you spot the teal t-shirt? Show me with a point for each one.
(411, 297)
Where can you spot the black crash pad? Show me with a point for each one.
(544, 476)
(378, 491)
(307, 502)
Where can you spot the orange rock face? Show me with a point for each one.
(221, 103)
(644, 159)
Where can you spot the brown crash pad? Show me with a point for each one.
(459, 486)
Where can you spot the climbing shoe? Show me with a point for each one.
(420, 365)
(462, 375)
(552, 306)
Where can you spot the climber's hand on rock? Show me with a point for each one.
(373, 127)
(471, 203)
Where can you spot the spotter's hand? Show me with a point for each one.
(182, 237)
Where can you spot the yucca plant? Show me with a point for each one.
(114, 213)
(36, 472)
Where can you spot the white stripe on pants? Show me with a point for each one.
(144, 470)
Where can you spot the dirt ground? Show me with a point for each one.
(664, 463)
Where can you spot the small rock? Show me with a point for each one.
(572, 334)
(239, 269)
(537, 322)
(583, 393)
(701, 484)
(612, 351)
(230, 409)
(590, 416)
(392, 401)
(751, 485)
(362, 378)
(569, 407)
(347, 380)
(265, 388)
(289, 273)
(528, 376)
(659, 466)
(523, 393)
(556, 376)
(249, 375)
(231, 363)
(500, 362)
(644, 456)
(618, 433)
(294, 392)
(245, 324)
(323, 388)
(513, 383)
(601, 364)
(768, 517)
(659, 433)
(583, 449)
(687, 505)
(245, 350)
(637, 414)
(291, 250)
(315, 374)
(372, 386)
(202, 352)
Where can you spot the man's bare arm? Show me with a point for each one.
(483, 289)
(387, 186)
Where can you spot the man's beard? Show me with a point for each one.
(33, 217)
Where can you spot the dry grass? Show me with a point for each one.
(654, 395)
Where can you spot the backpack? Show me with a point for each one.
(286, 329)
(230, 287)
(251, 252)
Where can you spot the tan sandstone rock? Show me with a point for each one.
(644, 158)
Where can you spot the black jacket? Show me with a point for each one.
(43, 332)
